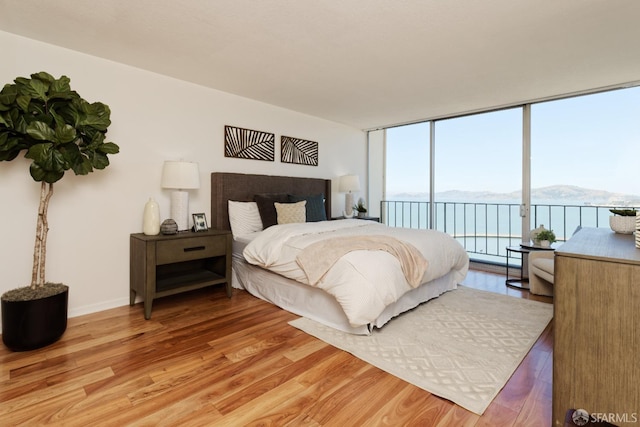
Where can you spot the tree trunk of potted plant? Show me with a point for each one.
(36, 316)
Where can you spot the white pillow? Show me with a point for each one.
(244, 218)
(291, 212)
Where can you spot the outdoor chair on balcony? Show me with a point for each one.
(541, 272)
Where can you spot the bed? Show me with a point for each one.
(312, 296)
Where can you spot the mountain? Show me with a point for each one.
(555, 194)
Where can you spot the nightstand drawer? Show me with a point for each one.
(172, 251)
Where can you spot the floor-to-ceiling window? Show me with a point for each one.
(583, 159)
(408, 175)
(478, 180)
(584, 153)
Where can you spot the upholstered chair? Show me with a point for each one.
(541, 272)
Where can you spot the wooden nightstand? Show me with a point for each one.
(169, 264)
(366, 218)
(369, 218)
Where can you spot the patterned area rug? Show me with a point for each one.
(462, 346)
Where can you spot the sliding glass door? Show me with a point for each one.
(478, 180)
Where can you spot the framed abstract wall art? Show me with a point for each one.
(299, 151)
(249, 144)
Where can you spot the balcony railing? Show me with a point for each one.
(486, 229)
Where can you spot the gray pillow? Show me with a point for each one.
(315, 206)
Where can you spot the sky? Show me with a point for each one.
(589, 141)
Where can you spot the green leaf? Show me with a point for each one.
(44, 76)
(57, 162)
(8, 94)
(41, 88)
(6, 143)
(19, 122)
(61, 88)
(72, 113)
(9, 155)
(109, 148)
(10, 146)
(39, 174)
(8, 118)
(41, 131)
(83, 167)
(64, 134)
(47, 158)
(93, 139)
(59, 120)
(97, 116)
(74, 158)
(39, 110)
(39, 153)
(34, 88)
(99, 160)
(23, 102)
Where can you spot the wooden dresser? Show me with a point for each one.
(596, 351)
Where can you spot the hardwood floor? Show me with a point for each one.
(206, 360)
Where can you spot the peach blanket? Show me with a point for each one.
(316, 259)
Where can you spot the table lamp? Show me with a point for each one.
(180, 176)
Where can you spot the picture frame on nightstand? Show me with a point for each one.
(199, 222)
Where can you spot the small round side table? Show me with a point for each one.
(522, 282)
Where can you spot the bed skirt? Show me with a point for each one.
(318, 305)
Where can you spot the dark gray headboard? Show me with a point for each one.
(241, 187)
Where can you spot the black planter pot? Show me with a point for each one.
(28, 325)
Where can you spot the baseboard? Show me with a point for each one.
(94, 308)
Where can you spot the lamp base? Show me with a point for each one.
(180, 209)
(348, 205)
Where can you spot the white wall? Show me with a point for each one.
(154, 118)
(376, 171)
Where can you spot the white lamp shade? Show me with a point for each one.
(348, 183)
(180, 175)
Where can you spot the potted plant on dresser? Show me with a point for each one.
(623, 221)
(59, 131)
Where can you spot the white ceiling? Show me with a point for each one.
(364, 63)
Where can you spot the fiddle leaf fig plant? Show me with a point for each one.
(59, 131)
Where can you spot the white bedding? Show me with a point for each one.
(362, 282)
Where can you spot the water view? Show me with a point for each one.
(486, 223)
(588, 144)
